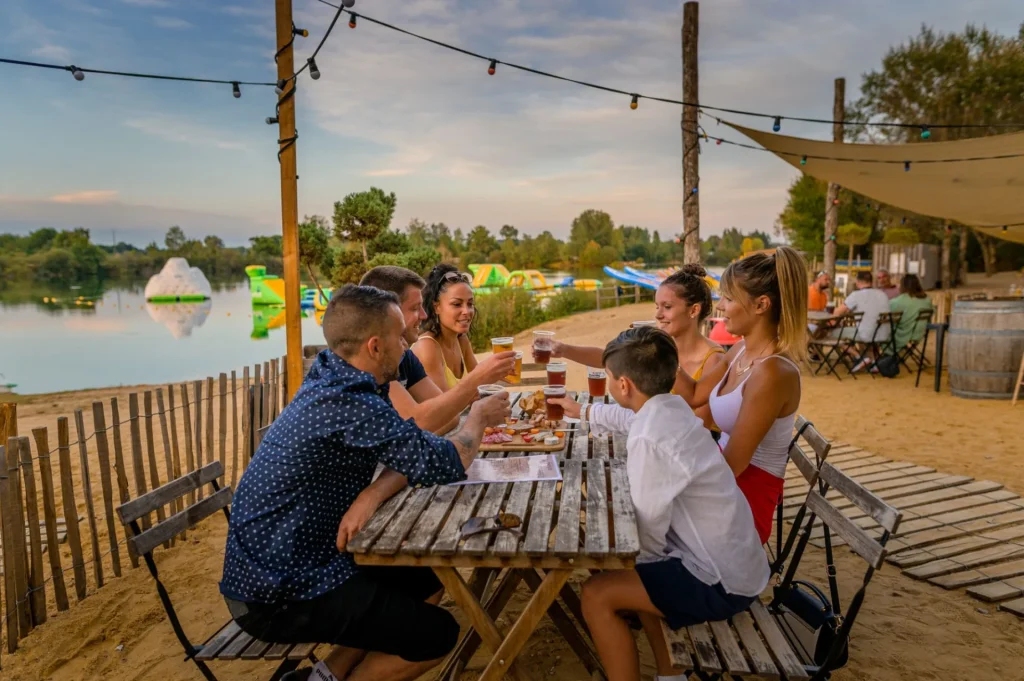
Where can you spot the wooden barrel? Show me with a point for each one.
(986, 341)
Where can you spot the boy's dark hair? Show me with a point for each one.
(392, 278)
(864, 277)
(645, 355)
(355, 314)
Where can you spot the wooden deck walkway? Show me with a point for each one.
(957, 532)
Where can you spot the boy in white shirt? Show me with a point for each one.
(700, 556)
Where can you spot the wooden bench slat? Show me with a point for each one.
(179, 522)
(859, 540)
(567, 534)
(597, 539)
(704, 648)
(627, 541)
(600, 446)
(818, 443)
(278, 651)
(882, 513)
(619, 446)
(762, 661)
(301, 651)
(165, 494)
(255, 650)
(803, 464)
(729, 648)
(219, 640)
(489, 507)
(233, 650)
(783, 655)
(678, 645)
(449, 536)
(540, 518)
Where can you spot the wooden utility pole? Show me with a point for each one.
(961, 273)
(947, 245)
(831, 207)
(691, 140)
(289, 196)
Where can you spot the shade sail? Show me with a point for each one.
(980, 182)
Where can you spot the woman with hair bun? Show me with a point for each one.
(444, 347)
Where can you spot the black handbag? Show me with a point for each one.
(888, 366)
(810, 622)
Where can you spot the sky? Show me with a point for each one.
(128, 158)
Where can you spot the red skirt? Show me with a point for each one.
(763, 492)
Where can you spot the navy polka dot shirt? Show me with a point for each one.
(316, 458)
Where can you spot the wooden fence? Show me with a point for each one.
(59, 537)
(621, 295)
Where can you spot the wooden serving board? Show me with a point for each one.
(517, 445)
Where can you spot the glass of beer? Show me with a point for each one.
(636, 325)
(596, 380)
(554, 412)
(556, 373)
(501, 344)
(489, 389)
(517, 370)
(542, 345)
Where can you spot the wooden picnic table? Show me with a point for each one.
(584, 521)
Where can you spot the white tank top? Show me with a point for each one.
(772, 454)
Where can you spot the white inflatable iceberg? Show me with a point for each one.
(180, 318)
(177, 282)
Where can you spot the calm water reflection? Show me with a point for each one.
(121, 340)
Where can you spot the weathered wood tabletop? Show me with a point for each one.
(585, 521)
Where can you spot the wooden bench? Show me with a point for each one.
(230, 642)
(753, 644)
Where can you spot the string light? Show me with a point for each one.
(281, 85)
(635, 102)
(925, 132)
(1005, 228)
(236, 91)
(79, 73)
(493, 67)
(271, 120)
(803, 160)
(693, 191)
(76, 72)
(314, 72)
(352, 19)
(835, 202)
(300, 31)
(777, 124)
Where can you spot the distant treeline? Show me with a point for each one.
(61, 258)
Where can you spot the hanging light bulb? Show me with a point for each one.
(314, 72)
(906, 166)
(76, 72)
(903, 220)
(236, 91)
(300, 31)
(493, 67)
(1005, 228)
(925, 132)
(803, 160)
(777, 125)
(281, 85)
(271, 120)
(348, 3)
(718, 141)
(693, 191)
(635, 102)
(835, 202)
(352, 19)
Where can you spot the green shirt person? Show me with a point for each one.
(911, 300)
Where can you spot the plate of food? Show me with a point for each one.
(531, 431)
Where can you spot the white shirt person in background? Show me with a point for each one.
(872, 302)
(700, 556)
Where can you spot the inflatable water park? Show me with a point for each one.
(268, 289)
(178, 283)
(651, 280)
(490, 277)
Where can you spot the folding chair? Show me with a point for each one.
(833, 351)
(878, 347)
(913, 351)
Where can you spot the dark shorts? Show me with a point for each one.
(380, 609)
(683, 599)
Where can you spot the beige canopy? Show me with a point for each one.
(981, 184)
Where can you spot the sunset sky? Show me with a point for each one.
(456, 145)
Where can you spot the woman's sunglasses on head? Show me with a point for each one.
(457, 276)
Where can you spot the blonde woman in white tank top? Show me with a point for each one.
(755, 394)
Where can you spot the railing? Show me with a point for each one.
(622, 295)
(50, 502)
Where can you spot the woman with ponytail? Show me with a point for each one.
(755, 393)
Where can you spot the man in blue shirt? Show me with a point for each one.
(414, 394)
(308, 490)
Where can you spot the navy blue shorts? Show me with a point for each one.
(683, 599)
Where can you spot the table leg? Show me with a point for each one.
(940, 337)
(470, 641)
(528, 620)
(480, 620)
(565, 625)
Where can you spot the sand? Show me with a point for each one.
(906, 628)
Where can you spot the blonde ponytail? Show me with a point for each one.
(791, 274)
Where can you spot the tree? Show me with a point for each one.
(509, 233)
(40, 240)
(802, 221)
(361, 216)
(592, 225)
(901, 236)
(314, 248)
(389, 241)
(213, 243)
(851, 234)
(175, 238)
(266, 246)
(481, 241)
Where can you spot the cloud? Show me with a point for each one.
(243, 11)
(147, 3)
(51, 51)
(388, 172)
(87, 196)
(179, 129)
(171, 22)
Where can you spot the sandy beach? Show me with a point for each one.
(906, 628)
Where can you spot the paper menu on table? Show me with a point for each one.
(512, 469)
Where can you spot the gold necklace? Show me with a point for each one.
(742, 370)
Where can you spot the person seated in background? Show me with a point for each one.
(700, 559)
(309, 489)
(911, 301)
(414, 394)
(444, 347)
(817, 293)
(885, 285)
(872, 302)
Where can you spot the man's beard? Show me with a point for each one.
(391, 373)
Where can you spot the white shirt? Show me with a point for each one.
(872, 302)
(688, 505)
